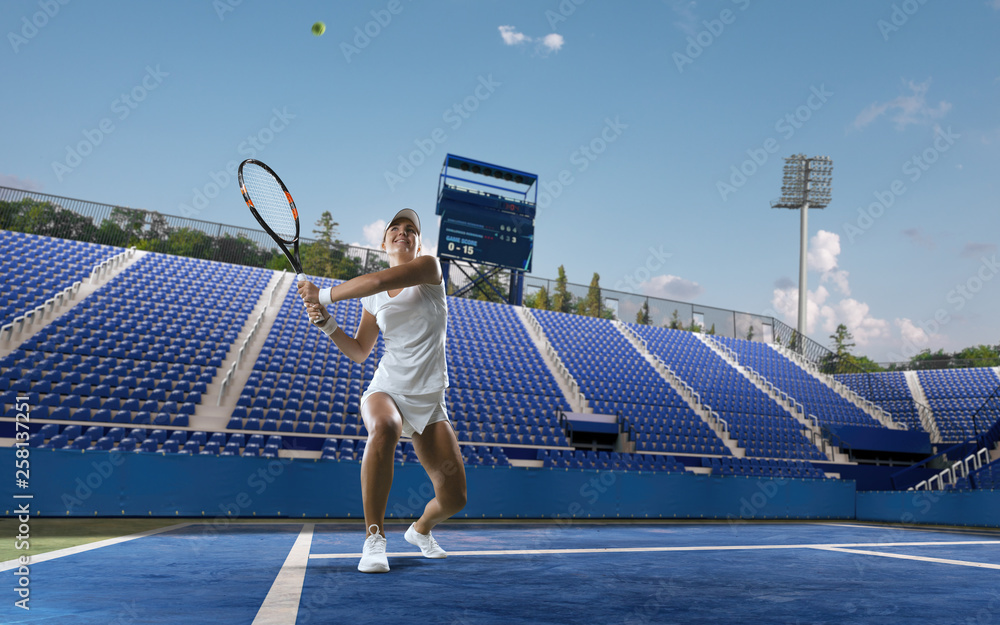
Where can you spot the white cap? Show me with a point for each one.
(406, 213)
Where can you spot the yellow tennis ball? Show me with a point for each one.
(319, 28)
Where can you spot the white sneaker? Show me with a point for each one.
(428, 546)
(373, 559)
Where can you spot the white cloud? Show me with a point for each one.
(823, 311)
(511, 37)
(553, 42)
(905, 110)
(824, 248)
(857, 317)
(839, 279)
(910, 333)
(671, 287)
(373, 233)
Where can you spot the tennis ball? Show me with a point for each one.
(319, 28)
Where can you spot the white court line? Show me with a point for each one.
(59, 553)
(281, 606)
(981, 565)
(914, 528)
(531, 552)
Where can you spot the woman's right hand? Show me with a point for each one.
(317, 313)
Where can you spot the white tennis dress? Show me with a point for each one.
(413, 370)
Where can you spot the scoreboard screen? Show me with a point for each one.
(482, 235)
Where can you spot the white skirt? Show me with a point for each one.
(418, 411)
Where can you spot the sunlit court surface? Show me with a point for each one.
(625, 572)
(522, 311)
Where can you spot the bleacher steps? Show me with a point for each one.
(221, 396)
(923, 405)
(711, 419)
(30, 324)
(791, 406)
(872, 410)
(569, 387)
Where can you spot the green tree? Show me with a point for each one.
(978, 356)
(320, 257)
(539, 299)
(642, 317)
(693, 327)
(130, 221)
(930, 360)
(562, 299)
(750, 333)
(842, 342)
(675, 322)
(711, 330)
(591, 306)
(189, 242)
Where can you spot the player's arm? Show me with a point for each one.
(421, 270)
(357, 348)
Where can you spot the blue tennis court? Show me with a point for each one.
(524, 573)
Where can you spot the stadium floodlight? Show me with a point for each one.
(807, 183)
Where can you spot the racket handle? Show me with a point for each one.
(301, 277)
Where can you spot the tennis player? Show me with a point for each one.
(406, 396)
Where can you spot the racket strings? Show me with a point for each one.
(269, 199)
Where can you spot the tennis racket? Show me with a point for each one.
(271, 204)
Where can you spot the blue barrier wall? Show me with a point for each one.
(882, 439)
(70, 483)
(980, 508)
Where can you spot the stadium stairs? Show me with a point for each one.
(241, 355)
(711, 418)
(868, 407)
(790, 404)
(569, 386)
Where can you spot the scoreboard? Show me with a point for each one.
(479, 235)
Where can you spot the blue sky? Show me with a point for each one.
(667, 121)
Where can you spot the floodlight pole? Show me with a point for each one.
(806, 185)
(803, 254)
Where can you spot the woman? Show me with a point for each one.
(407, 303)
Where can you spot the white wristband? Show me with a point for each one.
(326, 296)
(330, 326)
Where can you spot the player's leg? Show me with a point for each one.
(384, 424)
(438, 452)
